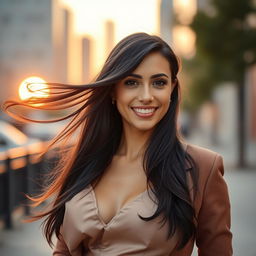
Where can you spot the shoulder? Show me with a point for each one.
(212, 204)
(201, 154)
(210, 172)
(206, 159)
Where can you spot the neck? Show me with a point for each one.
(133, 143)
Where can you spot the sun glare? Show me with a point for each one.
(33, 87)
(185, 10)
(184, 41)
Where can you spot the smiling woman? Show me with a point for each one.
(143, 97)
(131, 185)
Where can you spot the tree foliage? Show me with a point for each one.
(225, 46)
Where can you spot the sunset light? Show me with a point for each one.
(185, 10)
(89, 18)
(33, 87)
(184, 41)
(129, 16)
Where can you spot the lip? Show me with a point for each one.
(144, 115)
(144, 107)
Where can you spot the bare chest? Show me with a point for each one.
(121, 183)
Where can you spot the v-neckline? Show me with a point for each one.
(134, 199)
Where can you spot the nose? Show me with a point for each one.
(145, 95)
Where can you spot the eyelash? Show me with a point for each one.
(162, 81)
(128, 82)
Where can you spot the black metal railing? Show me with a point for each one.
(21, 172)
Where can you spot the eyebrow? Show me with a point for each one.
(153, 76)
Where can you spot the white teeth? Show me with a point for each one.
(144, 111)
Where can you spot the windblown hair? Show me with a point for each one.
(100, 124)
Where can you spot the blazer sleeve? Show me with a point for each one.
(61, 248)
(213, 231)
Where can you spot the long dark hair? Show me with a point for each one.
(165, 159)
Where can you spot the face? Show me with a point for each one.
(143, 97)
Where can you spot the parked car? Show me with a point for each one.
(11, 137)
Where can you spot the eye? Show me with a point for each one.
(130, 82)
(160, 83)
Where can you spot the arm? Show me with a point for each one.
(61, 248)
(213, 232)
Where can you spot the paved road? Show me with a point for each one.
(27, 239)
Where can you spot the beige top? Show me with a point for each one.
(83, 231)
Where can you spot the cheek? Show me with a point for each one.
(165, 97)
(165, 101)
(123, 100)
(166, 106)
(124, 96)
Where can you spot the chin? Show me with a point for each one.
(144, 128)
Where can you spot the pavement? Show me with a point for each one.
(27, 239)
(24, 240)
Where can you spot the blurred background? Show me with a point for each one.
(68, 41)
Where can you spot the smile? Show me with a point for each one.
(144, 112)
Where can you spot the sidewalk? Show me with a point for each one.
(24, 240)
(242, 195)
(27, 239)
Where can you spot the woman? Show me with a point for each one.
(131, 186)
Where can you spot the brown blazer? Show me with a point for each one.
(212, 207)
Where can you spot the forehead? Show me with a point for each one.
(153, 63)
